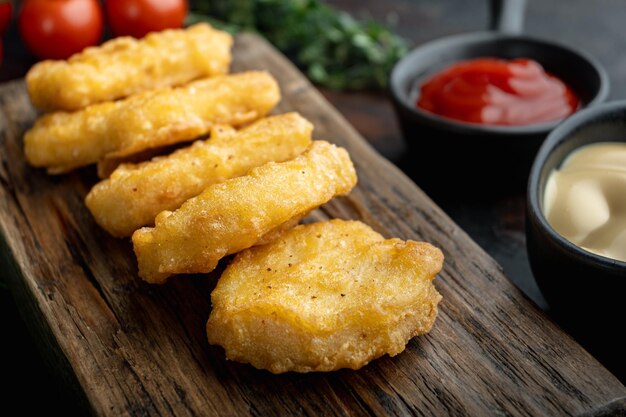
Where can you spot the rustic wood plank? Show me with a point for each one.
(137, 349)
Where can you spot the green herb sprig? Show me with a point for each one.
(334, 49)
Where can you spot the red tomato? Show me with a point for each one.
(57, 29)
(6, 10)
(139, 17)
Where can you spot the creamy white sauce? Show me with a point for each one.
(585, 200)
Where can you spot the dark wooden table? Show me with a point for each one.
(498, 225)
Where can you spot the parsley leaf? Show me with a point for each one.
(330, 46)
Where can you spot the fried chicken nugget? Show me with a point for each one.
(135, 194)
(64, 141)
(237, 213)
(324, 296)
(125, 66)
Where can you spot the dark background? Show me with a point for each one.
(598, 27)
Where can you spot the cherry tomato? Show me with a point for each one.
(139, 17)
(57, 29)
(6, 10)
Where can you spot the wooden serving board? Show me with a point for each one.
(136, 349)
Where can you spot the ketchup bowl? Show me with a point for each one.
(451, 158)
(584, 290)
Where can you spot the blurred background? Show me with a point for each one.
(347, 47)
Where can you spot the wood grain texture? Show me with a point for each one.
(137, 349)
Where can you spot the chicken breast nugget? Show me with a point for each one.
(125, 66)
(135, 194)
(64, 141)
(324, 296)
(235, 214)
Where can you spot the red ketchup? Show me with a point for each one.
(497, 92)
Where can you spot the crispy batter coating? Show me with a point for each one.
(324, 296)
(106, 166)
(63, 141)
(135, 194)
(125, 66)
(235, 214)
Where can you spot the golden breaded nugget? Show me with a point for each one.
(324, 296)
(135, 194)
(235, 214)
(63, 141)
(125, 66)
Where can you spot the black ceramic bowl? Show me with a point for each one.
(480, 159)
(585, 291)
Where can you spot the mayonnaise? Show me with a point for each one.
(585, 200)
